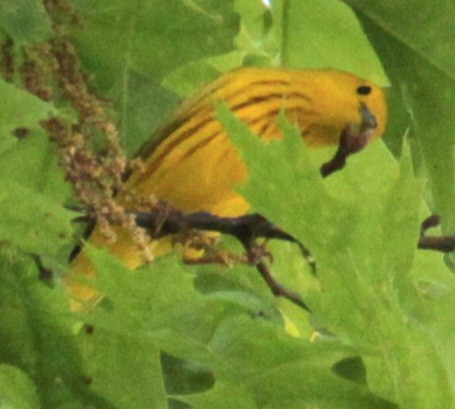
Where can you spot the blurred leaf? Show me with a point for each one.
(131, 46)
(178, 33)
(25, 21)
(16, 389)
(413, 42)
(185, 80)
(289, 34)
(327, 34)
(36, 335)
(224, 395)
(142, 105)
(183, 377)
(424, 27)
(260, 31)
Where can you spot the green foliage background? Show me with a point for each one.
(175, 336)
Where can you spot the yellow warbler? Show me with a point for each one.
(194, 166)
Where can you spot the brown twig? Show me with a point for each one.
(172, 221)
(278, 289)
(444, 244)
(246, 229)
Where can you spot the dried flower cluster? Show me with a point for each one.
(52, 72)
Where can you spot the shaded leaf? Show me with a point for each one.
(36, 335)
(25, 21)
(16, 389)
(413, 42)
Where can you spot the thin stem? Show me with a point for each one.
(278, 289)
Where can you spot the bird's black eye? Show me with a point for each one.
(364, 90)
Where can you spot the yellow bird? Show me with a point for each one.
(192, 164)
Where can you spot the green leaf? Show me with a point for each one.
(364, 238)
(34, 184)
(25, 21)
(225, 395)
(156, 308)
(36, 335)
(179, 33)
(405, 21)
(300, 34)
(260, 31)
(183, 377)
(299, 167)
(279, 370)
(33, 221)
(130, 46)
(39, 172)
(141, 106)
(413, 42)
(186, 79)
(327, 34)
(16, 389)
(121, 344)
(20, 109)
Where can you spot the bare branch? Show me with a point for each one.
(444, 244)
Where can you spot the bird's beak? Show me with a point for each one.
(353, 139)
(368, 120)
